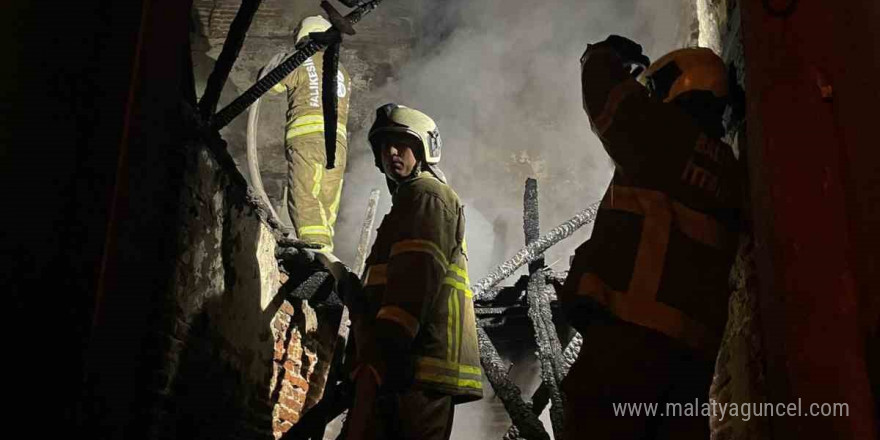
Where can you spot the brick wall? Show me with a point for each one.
(242, 358)
(293, 363)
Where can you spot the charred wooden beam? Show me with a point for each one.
(549, 349)
(231, 47)
(534, 250)
(238, 105)
(520, 413)
(531, 220)
(541, 397)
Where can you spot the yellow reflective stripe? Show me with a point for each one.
(457, 351)
(316, 180)
(307, 120)
(334, 207)
(304, 130)
(460, 272)
(449, 326)
(403, 318)
(309, 124)
(647, 312)
(425, 246)
(324, 218)
(313, 128)
(314, 230)
(452, 366)
(455, 284)
(376, 275)
(464, 383)
(278, 88)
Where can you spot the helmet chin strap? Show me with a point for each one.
(417, 169)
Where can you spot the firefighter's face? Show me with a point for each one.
(398, 159)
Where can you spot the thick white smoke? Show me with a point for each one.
(501, 78)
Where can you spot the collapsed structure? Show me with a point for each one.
(310, 286)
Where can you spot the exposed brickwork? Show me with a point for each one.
(293, 363)
(215, 16)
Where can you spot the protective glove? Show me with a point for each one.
(629, 52)
(297, 253)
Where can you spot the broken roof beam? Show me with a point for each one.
(520, 412)
(231, 48)
(549, 348)
(239, 104)
(533, 251)
(541, 396)
(531, 220)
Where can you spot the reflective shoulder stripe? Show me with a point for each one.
(648, 313)
(279, 88)
(403, 318)
(376, 275)
(617, 95)
(424, 246)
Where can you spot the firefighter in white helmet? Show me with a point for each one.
(417, 337)
(648, 291)
(313, 192)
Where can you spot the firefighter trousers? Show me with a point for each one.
(414, 414)
(314, 192)
(622, 363)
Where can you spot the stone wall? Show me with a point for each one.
(243, 359)
(739, 371)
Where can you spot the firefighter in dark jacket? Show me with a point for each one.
(422, 345)
(648, 291)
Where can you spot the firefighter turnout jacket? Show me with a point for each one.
(416, 278)
(313, 191)
(666, 232)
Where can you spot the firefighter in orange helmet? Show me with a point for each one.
(648, 291)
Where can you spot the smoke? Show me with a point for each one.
(501, 78)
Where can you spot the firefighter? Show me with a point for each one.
(313, 192)
(417, 337)
(648, 291)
